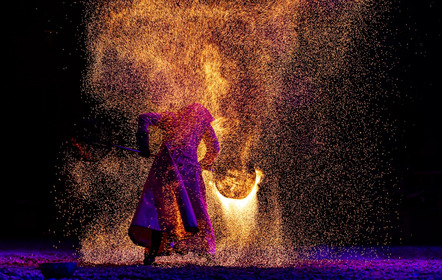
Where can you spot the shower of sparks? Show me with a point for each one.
(293, 87)
(239, 215)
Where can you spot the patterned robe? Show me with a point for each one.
(173, 200)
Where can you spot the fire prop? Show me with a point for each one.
(286, 83)
(237, 185)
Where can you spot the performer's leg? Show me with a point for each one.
(150, 254)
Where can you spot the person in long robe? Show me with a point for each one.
(173, 201)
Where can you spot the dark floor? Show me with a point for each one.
(20, 260)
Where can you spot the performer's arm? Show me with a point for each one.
(144, 121)
(212, 147)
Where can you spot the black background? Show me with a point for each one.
(45, 60)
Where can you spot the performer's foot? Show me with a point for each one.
(149, 259)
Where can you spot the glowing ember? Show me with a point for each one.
(287, 84)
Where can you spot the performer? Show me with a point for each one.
(173, 205)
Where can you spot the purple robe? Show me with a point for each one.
(174, 195)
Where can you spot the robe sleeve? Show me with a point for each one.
(144, 121)
(212, 147)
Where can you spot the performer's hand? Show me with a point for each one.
(145, 153)
(143, 143)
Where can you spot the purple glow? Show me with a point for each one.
(21, 262)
